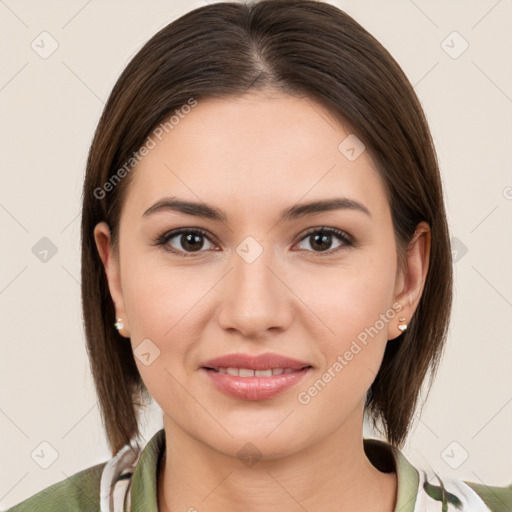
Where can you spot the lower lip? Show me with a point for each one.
(255, 388)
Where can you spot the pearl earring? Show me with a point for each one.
(402, 326)
(119, 324)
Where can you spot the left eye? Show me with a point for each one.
(324, 237)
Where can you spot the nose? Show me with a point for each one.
(255, 297)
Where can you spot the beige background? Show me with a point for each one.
(49, 108)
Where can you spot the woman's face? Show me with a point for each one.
(256, 281)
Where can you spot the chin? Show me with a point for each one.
(251, 450)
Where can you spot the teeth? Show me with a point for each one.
(247, 372)
(263, 373)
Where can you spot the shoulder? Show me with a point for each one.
(430, 491)
(497, 498)
(463, 495)
(78, 492)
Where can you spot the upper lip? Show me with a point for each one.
(260, 362)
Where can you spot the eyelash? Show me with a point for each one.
(163, 240)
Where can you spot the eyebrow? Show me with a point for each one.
(295, 212)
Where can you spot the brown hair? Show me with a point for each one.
(300, 47)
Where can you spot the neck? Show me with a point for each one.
(331, 475)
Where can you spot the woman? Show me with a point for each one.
(265, 253)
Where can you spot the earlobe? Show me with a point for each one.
(412, 279)
(110, 262)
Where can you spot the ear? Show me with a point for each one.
(411, 280)
(111, 264)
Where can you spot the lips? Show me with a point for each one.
(254, 377)
(266, 361)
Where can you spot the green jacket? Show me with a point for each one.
(129, 479)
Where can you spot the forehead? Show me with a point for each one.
(253, 152)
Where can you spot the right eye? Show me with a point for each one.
(187, 241)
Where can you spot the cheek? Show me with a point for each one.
(355, 309)
(159, 298)
(351, 298)
(166, 306)
(163, 305)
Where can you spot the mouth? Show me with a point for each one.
(251, 378)
(251, 372)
